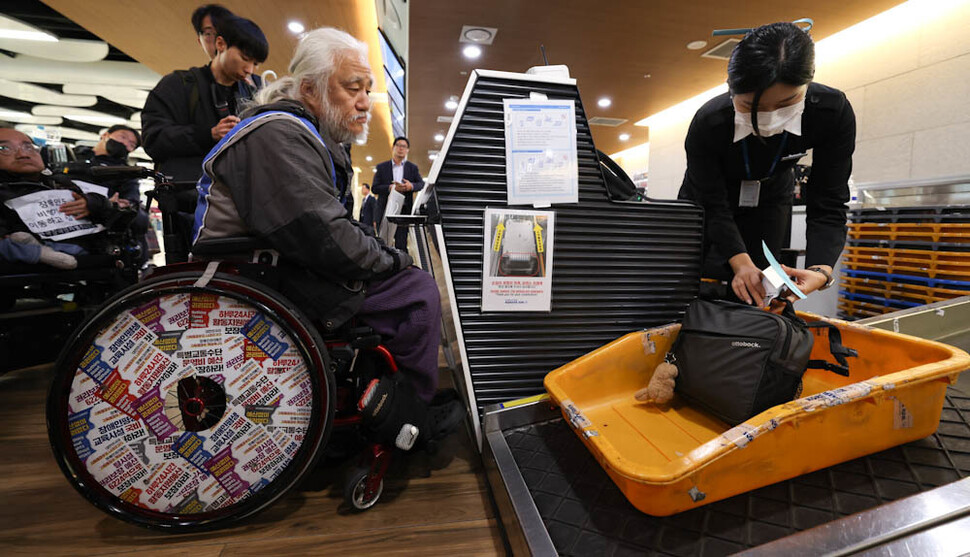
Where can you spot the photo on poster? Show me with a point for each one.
(517, 265)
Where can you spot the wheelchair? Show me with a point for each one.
(40, 305)
(200, 396)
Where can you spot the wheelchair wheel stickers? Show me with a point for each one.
(190, 408)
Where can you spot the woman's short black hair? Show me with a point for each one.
(214, 11)
(777, 52)
(245, 35)
(774, 53)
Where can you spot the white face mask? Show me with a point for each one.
(771, 123)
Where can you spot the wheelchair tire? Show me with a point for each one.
(186, 408)
(356, 493)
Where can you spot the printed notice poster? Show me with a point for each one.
(40, 211)
(517, 260)
(540, 151)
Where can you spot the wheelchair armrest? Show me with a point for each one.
(229, 246)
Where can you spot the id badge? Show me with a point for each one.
(750, 193)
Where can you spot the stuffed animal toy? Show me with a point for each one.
(661, 387)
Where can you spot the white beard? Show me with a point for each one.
(339, 127)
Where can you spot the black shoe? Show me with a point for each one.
(444, 419)
(443, 396)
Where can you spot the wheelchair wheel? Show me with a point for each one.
(360, 492)
(190, 408)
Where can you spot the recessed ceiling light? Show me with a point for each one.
(439, 137)
(624, 136)
(368, 158)
(451, 104)
(295, 27)
(604, 102)
(472, 51)
(361, 142)
(432, 156)
(696, 45)
(477, 35)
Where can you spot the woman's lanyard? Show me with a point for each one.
(751, 188)
(774, 163)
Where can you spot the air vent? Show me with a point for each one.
(611, 122)
(445, 119)
(722, 51)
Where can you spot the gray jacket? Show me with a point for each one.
(275, 181)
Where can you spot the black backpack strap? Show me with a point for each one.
(192, 77)
(839, 351)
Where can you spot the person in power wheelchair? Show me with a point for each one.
(274, 176)
(22, 174)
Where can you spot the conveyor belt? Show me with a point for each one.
(586, 514)
(553, 496)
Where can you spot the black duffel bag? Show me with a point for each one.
(736, 361)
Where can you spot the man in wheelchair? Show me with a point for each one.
(47, 218)
(274, 176)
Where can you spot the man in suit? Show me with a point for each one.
(402, 175)
(368, 208)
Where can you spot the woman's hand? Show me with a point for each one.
(77, 208)
(747, 280)
(806, 281)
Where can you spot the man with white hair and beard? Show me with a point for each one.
(279, 175)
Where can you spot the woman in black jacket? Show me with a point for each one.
(742, 147)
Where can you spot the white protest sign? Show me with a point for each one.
(40, 212)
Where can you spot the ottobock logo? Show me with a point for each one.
(742, 344)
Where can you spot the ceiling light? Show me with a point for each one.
(696, 45)
(23, 117)
(451, 104)
(624, 136)
(378, 97)
(11, 28)
(128, 96)
(93, 117)
(27, 35)
(477, 35)
(368, 158)
(604, 102)
(471, 51)
(295, 27)
(361, 142)
(439, 137)
(87, 118)
(35, 94)
(432, 156)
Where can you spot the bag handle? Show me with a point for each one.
(838, 350)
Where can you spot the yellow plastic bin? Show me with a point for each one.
(672, 458)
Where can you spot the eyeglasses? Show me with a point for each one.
(11, 150)
(402, 145)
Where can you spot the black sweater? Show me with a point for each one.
(715, 168)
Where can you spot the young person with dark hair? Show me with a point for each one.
(189, 111)
(742, 147)
(205, 20)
